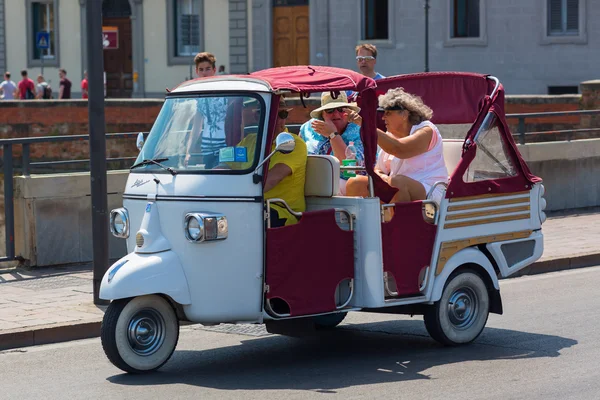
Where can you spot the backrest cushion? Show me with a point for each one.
(452, 153)
(322, 176)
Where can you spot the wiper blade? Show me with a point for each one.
(156, 161)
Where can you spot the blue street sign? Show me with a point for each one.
(42, 40)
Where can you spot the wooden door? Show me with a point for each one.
(118, 64)
(290, 34)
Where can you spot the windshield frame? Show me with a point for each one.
(202, 94)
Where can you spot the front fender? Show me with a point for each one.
(140, 274)
(466, 256)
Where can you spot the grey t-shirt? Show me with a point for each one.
(8, 90)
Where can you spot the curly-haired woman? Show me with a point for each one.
(411, 157)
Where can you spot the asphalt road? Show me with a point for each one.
(543, 347)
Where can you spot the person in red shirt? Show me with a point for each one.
(64, 89)
(84, 86)
(26, 87)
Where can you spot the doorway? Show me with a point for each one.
(291, 42)
(118, 65)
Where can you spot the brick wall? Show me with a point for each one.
(69, 117)
(19, 119)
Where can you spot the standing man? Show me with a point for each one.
(366, 58)
(7, 88)
(44, 91)
(64, 91)
(26, 87)
(84, 86)
(214, 112)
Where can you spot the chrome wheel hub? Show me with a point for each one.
(146, 332)
(462, 308)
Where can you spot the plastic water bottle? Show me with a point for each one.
(350, 160)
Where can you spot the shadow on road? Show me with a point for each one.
(352, 355)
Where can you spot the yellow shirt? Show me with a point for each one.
(291, 188)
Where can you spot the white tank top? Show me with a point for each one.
(426, 168)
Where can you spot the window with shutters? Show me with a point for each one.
(466, 24)
(563, 17)
(564, 21)
(185, 30)
(42, 16)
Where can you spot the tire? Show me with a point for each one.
(461, 313)
(329, 321)
(151, 316)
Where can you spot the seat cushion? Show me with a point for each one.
(322, 176)
(452, 153)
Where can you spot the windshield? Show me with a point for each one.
(201, 134)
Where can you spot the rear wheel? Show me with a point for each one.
(329, 321)
(461, 313)
(140, 334)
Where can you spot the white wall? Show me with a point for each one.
(69, 44)
(159, 75)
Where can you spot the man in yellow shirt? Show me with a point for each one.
(286, 177)
(287, 172)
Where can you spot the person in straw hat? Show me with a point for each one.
(331, 129)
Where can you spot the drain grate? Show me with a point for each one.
(238, 329)
(49, 282)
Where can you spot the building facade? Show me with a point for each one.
(533, 46)
(150, 43)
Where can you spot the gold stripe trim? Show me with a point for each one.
(486, 221)
(487, 196)
(490, 212)
(448, 249)
(488, 204)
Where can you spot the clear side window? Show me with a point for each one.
(492, 160)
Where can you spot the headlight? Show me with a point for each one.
(194, 228)
(119, 222)
(201, 227)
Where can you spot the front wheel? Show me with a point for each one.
(461, 313)
(139, 335)
(329, 321)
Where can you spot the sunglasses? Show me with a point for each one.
(364, 58)
(283, 114)
(332, 110)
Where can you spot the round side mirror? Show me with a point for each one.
(285, 143)
(139, 142)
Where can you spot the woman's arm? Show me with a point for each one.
(406, 147)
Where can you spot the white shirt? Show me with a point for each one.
(426, 168)
(8, 88)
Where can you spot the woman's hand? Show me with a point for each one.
(354, 117)
(324, 128)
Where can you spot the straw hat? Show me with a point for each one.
(328, 102)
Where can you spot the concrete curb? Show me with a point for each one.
(91, 329)
(47, 334)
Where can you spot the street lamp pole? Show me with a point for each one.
(97, 132)
(426, 35)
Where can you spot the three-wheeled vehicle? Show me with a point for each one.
(198, 232)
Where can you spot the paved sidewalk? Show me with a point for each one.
(52, 305)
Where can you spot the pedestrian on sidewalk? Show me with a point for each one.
(366, 59)
(44, 91)
(84, 86)
(221, 70)
(7, 88)
(26, 87)
(64, 91)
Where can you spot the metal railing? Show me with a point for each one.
(8, 169)
(522, 135)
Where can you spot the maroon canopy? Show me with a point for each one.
(454, 97)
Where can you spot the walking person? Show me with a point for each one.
(7, 88)
(44, 91)
(84, 86)
(26, 87)
(64, 90)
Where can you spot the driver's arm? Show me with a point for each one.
(276, 175)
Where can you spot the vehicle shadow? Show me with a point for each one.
(352, 355)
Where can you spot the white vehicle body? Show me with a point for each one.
(224, 281)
